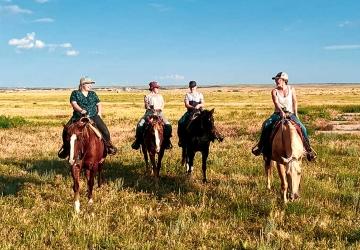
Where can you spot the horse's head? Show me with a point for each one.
(77, 135)
(154, 131)
(293, 176)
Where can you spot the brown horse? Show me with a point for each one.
(87, 152)
(287, 153)
(153, 143)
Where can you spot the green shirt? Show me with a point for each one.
(88, 103)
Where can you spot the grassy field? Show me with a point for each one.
(233, 211)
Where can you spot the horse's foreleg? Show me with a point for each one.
(75, 172)
(153, 163)
(183, 156)
(205, 155)
(190, 154)
(90, 182)
(146, 159)
(100, 180)
(160, 156)
(268, 172)
(284, 183)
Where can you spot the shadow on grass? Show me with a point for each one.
(30, 171)
(134, 177)
(10, 185)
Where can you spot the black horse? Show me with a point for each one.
(200, 131)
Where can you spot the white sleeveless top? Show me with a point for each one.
(154, 101)
(285, 102)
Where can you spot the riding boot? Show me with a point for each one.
(64, 151)
(257, 149)
(167, 136)
(310, 152)
(136, 144)
(110, 148)
(180, 135)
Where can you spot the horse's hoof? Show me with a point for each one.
(205, 181)
(77, 207)
(91, 201)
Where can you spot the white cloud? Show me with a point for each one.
(26, 42)
(172, 77)
(39, 44)
(159, 7)
(15, 9)
(72, 53)
(44, 20)
(345, 24)
(342, 47)
(41, 1)
(29, 42)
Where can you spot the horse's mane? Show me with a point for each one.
(197, 120)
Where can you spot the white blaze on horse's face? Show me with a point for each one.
(157, 140)
(72, 149)
(293, 173)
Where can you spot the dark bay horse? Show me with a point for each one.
(152, 144)
(87, 151)
(200, 131)
(287, 152)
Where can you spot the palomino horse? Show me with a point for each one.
(287, 153)
(87, 152)
(200, 132)
(153, 143)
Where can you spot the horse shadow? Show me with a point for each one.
(12, 185)
(133, 176)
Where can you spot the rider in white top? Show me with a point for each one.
(194, 101)
(285, 102)
(154, 105)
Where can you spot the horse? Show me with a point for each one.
(287, 152)
(152, 143)
(200, 131)
(87, 151)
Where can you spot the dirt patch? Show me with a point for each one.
(344, 124)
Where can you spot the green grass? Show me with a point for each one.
(233, 211)
(11, 122)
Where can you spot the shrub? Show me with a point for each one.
(11, 122)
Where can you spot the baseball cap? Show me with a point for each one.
(282, 75)
(86, 79)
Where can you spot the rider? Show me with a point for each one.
(194, 101)
(285, 102)
(84, 101)
(154, 104)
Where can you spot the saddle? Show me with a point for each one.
(277, 126)
(267, 148)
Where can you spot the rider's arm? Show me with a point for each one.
(187, 105)
(276, 103)
(295, 106)
(202, 102)
(99, 108)
(76, 107)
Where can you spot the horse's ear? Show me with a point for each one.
(212, 111)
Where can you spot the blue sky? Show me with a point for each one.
(131, 42)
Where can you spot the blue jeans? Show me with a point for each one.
(268, 126)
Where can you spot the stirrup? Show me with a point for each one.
(256, 150)
(135, 145)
